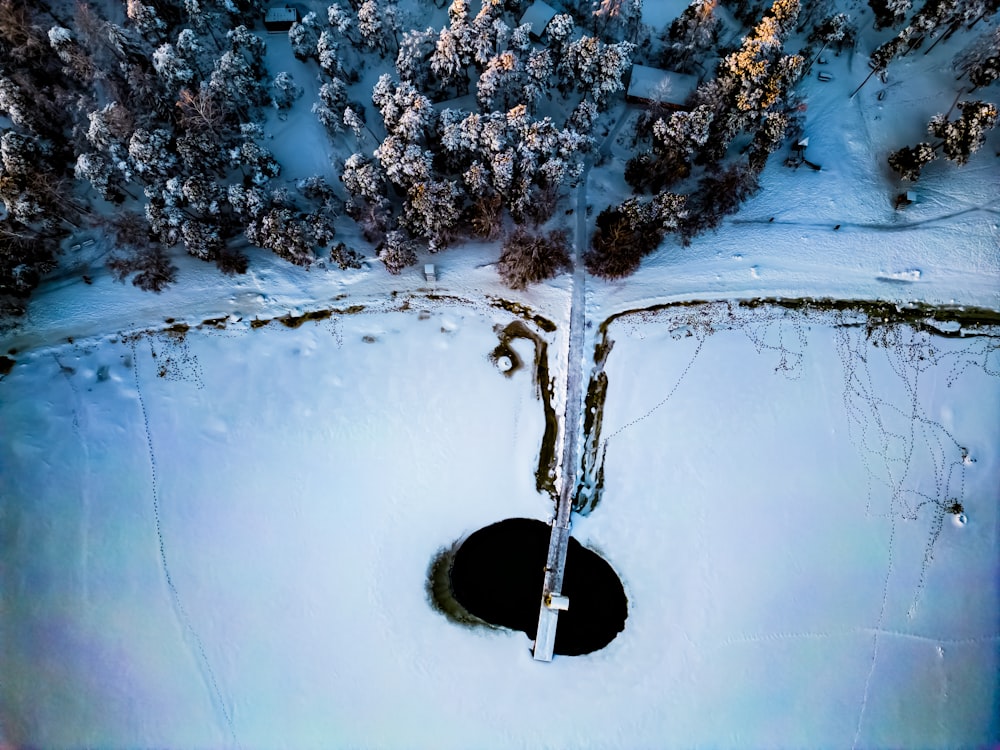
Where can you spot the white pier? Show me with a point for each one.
(555, 563)
(553, 602)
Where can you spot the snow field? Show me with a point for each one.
(768, 531)
(305, 479)
(760, 505)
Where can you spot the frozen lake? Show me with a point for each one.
(238, 531)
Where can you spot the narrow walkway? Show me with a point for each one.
(555, 562)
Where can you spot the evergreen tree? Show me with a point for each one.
(152, 267)
(450, 60)
(405, 111)
(285, 91)
(376, 24)
(432, 210)
(981, 61)
(614, 62)
(201, 239)
(328, 51)
(889, 13)
(363, 178)
(146, 20)
(330, 108)
(151, 156)
(17, 104)
(560, 34)
(173, 69)
(963, 137)
(77, 62)
(691, 35)
(908, 161)
(396, 251)
(202, 194)
(404, 164)
(834, 31)
(96, 170)
(304, 37)
(24, 187)
(288, 236)
(344, 22)
(234, 81)
(501, 82)
(250, 154)
(413, 59)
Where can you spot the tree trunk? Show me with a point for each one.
(868, 78)
(946, 35)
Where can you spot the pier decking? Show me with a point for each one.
(555, 562)
(555, 569)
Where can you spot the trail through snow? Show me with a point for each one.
(212, 684)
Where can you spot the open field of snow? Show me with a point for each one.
(774, 498)
(244, 541)
(238, 530)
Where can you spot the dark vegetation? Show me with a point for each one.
(545, 471)
(527, 258)
(959, 139)
(154, 117)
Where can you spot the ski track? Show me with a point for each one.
(845, 632)
(874, 227)
(178, 606)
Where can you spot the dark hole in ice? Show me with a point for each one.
(497, 576)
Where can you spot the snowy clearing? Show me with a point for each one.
(797, 581)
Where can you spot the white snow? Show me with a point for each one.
(538, 14)
(654, 84)
(787, 575)
(302, 480)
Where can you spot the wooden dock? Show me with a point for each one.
(555, 563)
(555, 569)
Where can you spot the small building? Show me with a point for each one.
(430, 273)
(278, 20)
(557, 601)
(666, 88)
(538, 14)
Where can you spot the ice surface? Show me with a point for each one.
(305, 478)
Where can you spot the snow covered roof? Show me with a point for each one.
(538, 14)
(657, 85)
(282, 17)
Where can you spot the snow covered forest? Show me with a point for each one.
(151, 124)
